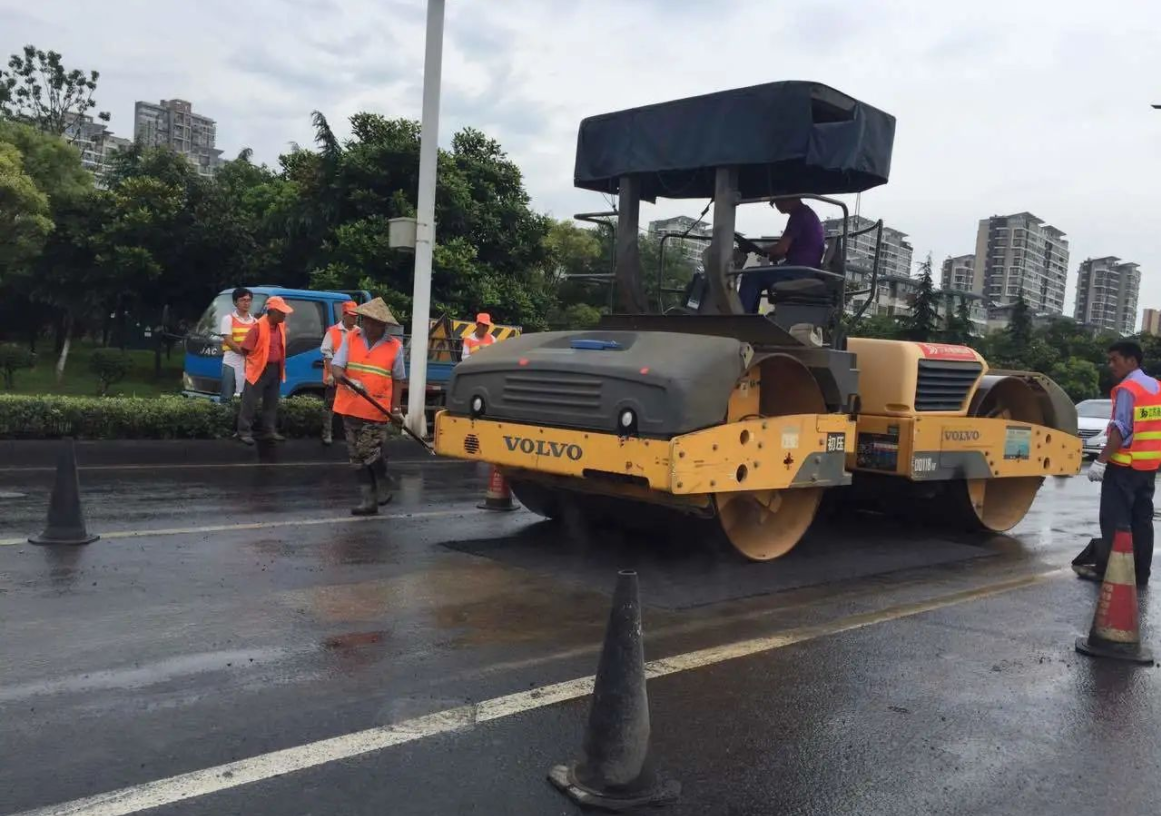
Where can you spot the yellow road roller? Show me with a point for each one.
(703, 415)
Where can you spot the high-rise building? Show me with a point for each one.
(959, 274)
(97, 145)
(1021, 256)
(173, 124)
(894, 255)
(1106, 294)
(689, 247)
(1151, 322)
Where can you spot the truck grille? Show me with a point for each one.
(944, 386)
(552, 391)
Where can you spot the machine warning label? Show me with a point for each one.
(836, 442)
(1017, 442)
(790, 438)
(878, 451)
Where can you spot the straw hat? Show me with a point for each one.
(377, 310)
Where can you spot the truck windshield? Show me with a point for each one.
(211, 320)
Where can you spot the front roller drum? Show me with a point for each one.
(766, 524)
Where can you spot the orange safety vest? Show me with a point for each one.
(471, 342)
(371, 367)
(1145, 452)
(238, 331)
(336, 333)
(256, 360)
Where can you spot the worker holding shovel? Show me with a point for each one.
(367, 367)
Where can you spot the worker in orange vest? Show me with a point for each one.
(371, 361)
(332, 340)
(265, 350)
(480, 336)
(1127, 465)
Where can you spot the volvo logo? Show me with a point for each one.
(961, 436)
(543, 447)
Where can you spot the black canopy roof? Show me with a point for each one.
(785, 137)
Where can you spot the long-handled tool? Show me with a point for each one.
(349, 383)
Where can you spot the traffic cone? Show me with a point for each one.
(616, 772)
(1116, 631)
(499, 496)
(66, 519)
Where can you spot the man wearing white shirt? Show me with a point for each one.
(234, 328)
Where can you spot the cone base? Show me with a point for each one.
(497, 504)
(564, 778)
(44, 539)
(1133, 652)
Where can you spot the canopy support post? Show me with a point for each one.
(722, 296)
(630, 295)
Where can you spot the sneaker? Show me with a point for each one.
(327, 440)
(274, 437)
(246, 439)
(1088, 572)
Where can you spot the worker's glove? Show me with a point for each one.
(328, 380)
(1096, 471)
(397, 415)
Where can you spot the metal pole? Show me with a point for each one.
(425, 220)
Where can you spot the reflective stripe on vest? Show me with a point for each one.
(471, 341)
(1145, 451)
(256, 359)
(238, 331)
(371, 367)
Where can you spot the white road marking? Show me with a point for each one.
(266, 525)
(267, 766)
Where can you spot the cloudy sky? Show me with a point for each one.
(1001, 106)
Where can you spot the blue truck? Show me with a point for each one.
(313, 313)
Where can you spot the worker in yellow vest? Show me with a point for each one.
(480, 336)
(1127, 465)
(233, 328)
(371, 360)
(332, 341)
(265, 350)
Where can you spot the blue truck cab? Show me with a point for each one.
(313, 313)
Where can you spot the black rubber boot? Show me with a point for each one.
(367, 504)
(383, 492)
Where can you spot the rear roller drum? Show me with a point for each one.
(998, 505)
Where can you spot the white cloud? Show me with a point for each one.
(1001, 106)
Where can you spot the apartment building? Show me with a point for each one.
(1106, 294)
(172, 123)
(1020, 256)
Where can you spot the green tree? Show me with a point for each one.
(24, 214)
(958, 327)
(1019, 328)
(877, 327)
(36, 88)
(1079, 378)
(921, 323)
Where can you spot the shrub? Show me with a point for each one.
(172, 417)
(110, 366)
(12, 359)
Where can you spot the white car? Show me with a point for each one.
(1092, 422)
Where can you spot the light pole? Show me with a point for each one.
(425, 220)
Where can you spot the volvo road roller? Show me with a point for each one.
(744, 421)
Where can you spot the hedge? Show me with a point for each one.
(173, 417)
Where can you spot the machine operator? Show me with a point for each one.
(802, 244)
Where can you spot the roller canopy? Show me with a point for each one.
(784, 137)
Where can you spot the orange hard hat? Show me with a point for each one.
(278, 303)
(484, 318)
(349, 307)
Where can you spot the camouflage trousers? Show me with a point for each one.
(365, 440)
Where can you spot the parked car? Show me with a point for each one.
(1092, 421)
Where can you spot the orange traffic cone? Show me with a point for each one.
(499, 496)
(1116, 631)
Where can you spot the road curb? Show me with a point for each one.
(40, 453)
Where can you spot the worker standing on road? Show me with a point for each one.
(371, 361)
(481, 336)
(265, 350)
(234, 328)
(1127, 466)
(332, 340)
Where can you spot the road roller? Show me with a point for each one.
(708, 418)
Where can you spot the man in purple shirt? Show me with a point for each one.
(801, 244)
(1126, 493)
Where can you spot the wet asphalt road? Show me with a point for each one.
(142, 657)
